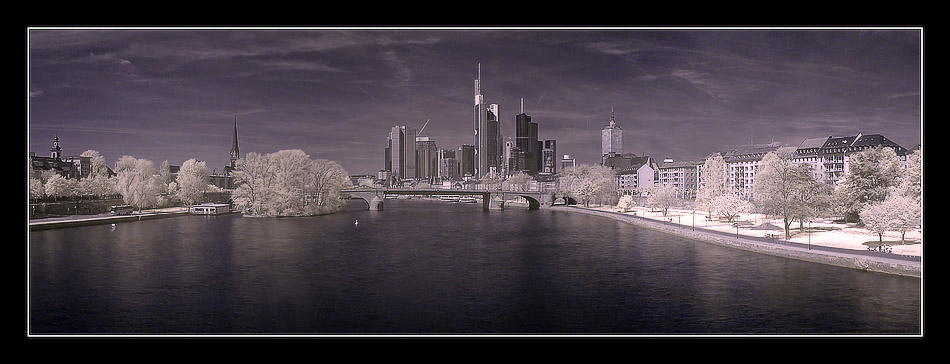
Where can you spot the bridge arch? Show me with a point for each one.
(533, 203)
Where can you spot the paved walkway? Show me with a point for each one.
(865, 260)
(82, 220)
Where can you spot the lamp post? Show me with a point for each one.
(809, 234)
(694, 220)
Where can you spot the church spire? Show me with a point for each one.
(235, 152)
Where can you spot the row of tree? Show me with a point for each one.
(288, 183)
(135, 180)
(876, 190)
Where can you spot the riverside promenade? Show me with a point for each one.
(872, 261)
(84, 220)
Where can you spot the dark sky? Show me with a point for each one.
(172, 94)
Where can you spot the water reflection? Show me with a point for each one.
(433, 267)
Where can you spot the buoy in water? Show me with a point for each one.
(357, 222)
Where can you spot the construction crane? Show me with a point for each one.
(423, 127)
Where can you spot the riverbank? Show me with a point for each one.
(86, 220)
(849, 258)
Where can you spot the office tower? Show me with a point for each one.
(466, 160)
(526, 135)
(427, 159)
(448, 165)
(549, 157)
(402, 141)
(611, 141)
(488, 144)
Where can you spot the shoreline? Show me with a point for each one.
(869, 261)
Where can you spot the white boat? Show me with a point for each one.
(449, 198)
(468, 199)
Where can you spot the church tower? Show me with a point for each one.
(611, 142)
(235, 152)
(56, 152)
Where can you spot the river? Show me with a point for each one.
(430, 267)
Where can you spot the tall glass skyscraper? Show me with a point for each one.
(488, 142)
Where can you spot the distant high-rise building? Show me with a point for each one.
(402, 149)
(466, 160)
(549, 157)
(448, 165)
(427, 159)
(611, 141)
(488, 143)
(526, 137)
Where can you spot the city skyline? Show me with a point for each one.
(335, 93)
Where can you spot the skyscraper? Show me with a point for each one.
(611, 141)
(427, 159)
(526, 134)
(466, 160)
(402, 151)
(488, 142)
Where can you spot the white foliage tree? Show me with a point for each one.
(712, 182)
(60, 187)
(730, 206)
(661, 197)
(192, 181)
(137, 182)
(626, 203)
(288, 183)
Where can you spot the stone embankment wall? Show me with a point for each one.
(867, 263)
(67, 208)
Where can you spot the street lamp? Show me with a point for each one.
(809, 234)
(694, 220)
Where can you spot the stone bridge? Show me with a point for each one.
(491, 199)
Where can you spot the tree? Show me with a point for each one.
(325, 181)
(97, 164)
(137, 182)
(192, 181)
(60, 187)
(587, 182)
(519, 182)
(288, 183)
(712, 183)
(878, 218)
(662, 197)
(905, 211)
(730, 206)
(911, 181)
(871, 174)
(97, 185)
(781, 185)
(37, 189)
(626, 203)
(253, 178)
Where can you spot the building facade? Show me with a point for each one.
(682, 176)
(828, 156)
(72, 167)
(549, 157)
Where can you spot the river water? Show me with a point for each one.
(430, 267)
